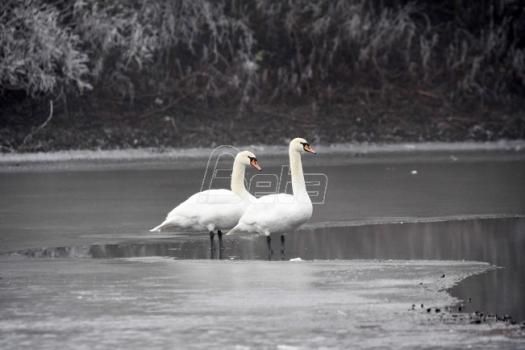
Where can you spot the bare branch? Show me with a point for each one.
(39, 128)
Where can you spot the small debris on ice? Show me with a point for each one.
(296, 259)
(286, 347)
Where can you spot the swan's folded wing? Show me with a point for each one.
(265, 214)
(219, 196)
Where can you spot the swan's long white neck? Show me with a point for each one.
(296, 168)
(237, 180)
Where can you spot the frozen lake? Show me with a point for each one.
(78, 267)
(164, 303)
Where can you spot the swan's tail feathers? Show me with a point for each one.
(238, 230)
(234, 231)
(240, 233)
(160, 227)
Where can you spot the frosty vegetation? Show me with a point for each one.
(259, 49)
(151, 55)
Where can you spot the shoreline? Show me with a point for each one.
(131, 154)
(269, 155)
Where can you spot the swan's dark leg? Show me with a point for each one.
(269, 243)
(212, 245)
(283, 255)
(221, 246)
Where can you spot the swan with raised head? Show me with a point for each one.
(216, 209)
(280, 213)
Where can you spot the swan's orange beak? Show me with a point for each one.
(309, 149)
(254, 164)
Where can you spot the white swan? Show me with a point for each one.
(217, 209)
(280, 213)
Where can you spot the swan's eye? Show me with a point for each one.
(252, 159)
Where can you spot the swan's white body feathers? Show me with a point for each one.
(207, 210)
(214, 209)
(275, 213)
(280, 213)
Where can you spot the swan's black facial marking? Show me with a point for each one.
(307, 147)
(254, 163)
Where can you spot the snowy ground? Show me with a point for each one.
(157, 303)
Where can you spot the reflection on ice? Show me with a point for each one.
(485, 239)
(497, 241)
(157, 302)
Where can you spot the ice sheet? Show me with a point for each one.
(157, 303)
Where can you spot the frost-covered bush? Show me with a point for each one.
(463, 49)
(325, 41)
(235, 52)
(184, 47)
(37, 54)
